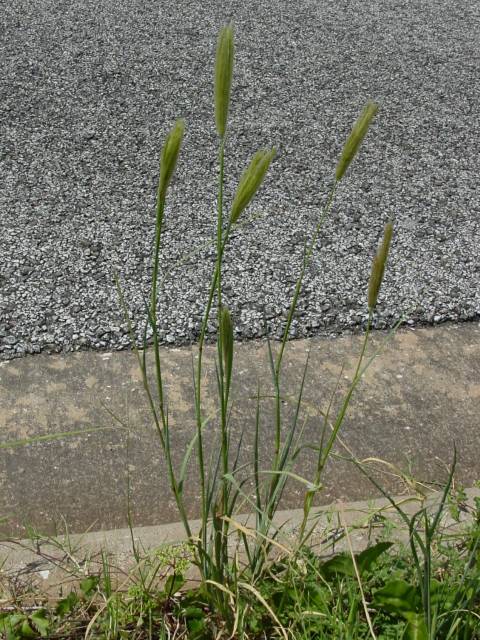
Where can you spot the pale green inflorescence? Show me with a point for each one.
(250, 182)
(355, 139)
(378, 266)
(223, 77)
(169, 156)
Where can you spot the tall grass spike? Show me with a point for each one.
(378, 267)
(169, 155)
(250, 182)
(355, 139)
(223, 77)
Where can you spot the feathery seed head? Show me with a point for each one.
(169, 155)
(250, 182)
(355, 139)
(223, 77)
(378, 266)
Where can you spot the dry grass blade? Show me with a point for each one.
(262, 600)
(254, 533)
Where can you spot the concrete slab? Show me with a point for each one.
(421, 395)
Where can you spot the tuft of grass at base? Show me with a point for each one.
(328, 590)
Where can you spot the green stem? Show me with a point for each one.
(158, 233)
(346, 402)
(215, 286)
(161, 427)
(278, 363)
(220, 538)
(223, 391)
(154, 297)
(323, 456)
(306, 260)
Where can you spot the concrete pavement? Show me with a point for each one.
(417, 398)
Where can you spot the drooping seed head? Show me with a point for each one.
(223, 77)
(355, 139)
(226, 337)
(250, 182)
(169, 156)
(378, 266)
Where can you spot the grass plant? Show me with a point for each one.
(224, 580)
(221, 487)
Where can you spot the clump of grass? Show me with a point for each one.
(221, 486)
(373, 591)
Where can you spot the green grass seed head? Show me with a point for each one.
(378, 266)
(169, 155)
(250, 182)
(223, 77)
(355, 139)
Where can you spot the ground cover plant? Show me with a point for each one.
(247, 580)
(315, 593)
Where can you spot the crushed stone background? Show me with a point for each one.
(88, 91)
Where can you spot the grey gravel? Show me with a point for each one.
(89, 90)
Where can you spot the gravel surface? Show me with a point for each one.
(89, 90)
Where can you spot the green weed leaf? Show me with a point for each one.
(89, 585)
(26, 630)
(191, 613)
(340, 564)
(366, 558)
(174, 583)
(398, 597)
(9, 622)
(416, 628)
(66, 605)
(196, 626)
(41, 622)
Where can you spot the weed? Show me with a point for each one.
(221, 484)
